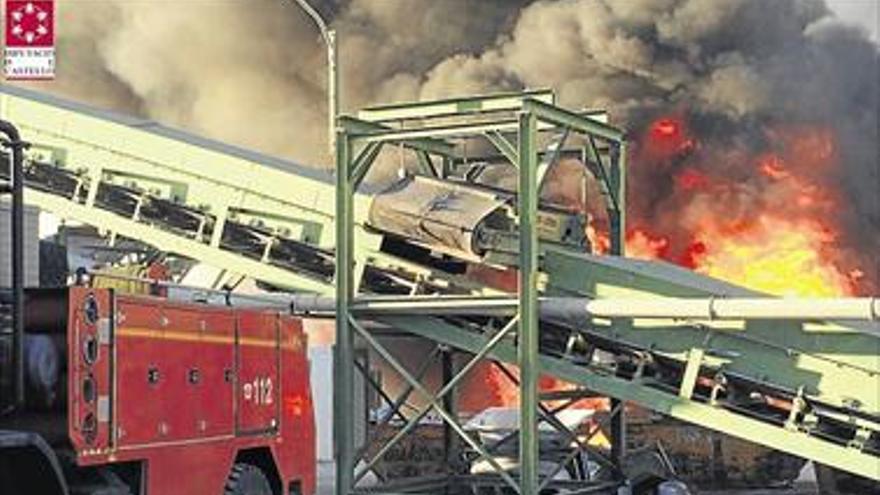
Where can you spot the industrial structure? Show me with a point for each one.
(432, 255)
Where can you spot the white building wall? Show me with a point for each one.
(321, 359)
(31, 245)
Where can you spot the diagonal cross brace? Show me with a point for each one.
(604, 179)
(504, 146)
(433, 399)
(364, 161)
(395, 407)
(401, 399)
(549, 416)
(586, 448)
(551, 158)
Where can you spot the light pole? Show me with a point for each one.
(343, 428)
(329, 36)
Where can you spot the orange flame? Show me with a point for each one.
(776, 255)
(505, 392)
(774, 234)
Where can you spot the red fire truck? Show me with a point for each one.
(130, 394)
(103, 393)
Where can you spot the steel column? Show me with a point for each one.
(343, 364)
(450, 446)
(617, 163)
(528, 303)
(498, 102)
(618, 187)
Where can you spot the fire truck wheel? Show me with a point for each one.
(247, 479)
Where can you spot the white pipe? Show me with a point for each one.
(863, 309)
(574, 309)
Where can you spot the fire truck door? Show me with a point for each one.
(258, 359)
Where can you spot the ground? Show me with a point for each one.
(326, 473)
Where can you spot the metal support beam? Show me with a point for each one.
(528, 303)
(547, 415)
(426, 165)
(343, 419)
(456, 130)
(551, 157)
(498, 102)
(510, 436)
(363, 162)
(618, 187)
(617, 222)
(504, 146)
(691, 373)
(450, 445)
(609, 187)
(565, 118)
(423, 143)
(394, 408)
(583, 446)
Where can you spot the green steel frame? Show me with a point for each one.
(358, 140)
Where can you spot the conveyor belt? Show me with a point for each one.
(753, 419)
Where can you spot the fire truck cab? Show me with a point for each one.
(132, 394)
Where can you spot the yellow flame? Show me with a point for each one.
(778, 257)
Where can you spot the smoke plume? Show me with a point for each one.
(747, 118)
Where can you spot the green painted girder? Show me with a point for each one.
(528, 332)
(497, 102)
(792, 441)
(346, 287)
(532, 116)
(426, 144)
(836, 364)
